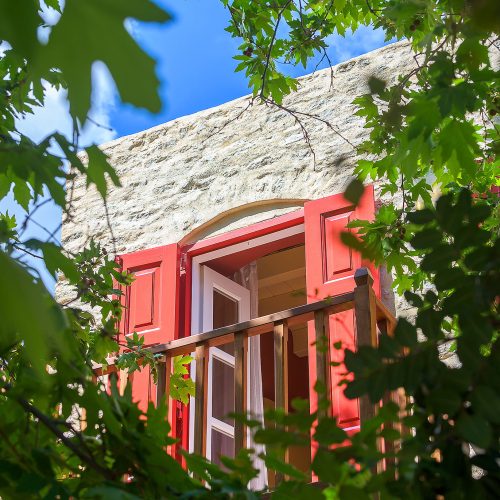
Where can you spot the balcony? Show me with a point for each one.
(371, 319)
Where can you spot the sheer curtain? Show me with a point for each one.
(247, 277)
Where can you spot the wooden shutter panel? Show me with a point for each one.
(151, 307)
(330, 268)
(151, 302)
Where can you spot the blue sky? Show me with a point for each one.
(196, 70)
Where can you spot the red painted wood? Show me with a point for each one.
(330, 268)
(229, 264)
(151, 302)
(151, 308)
(143, 388)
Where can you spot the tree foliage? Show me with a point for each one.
(436, 127)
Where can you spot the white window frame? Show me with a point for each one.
(200, 273)
(213, 422)
(199, 260)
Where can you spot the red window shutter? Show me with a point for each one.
(330, 268)
(151, 307)
(151, 302)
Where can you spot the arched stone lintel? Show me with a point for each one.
(219, 222)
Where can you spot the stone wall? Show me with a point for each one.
(180, 175)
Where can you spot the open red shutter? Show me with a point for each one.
(330, 268)
(151, 307)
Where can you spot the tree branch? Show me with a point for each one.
(52, 426)
(270, 48)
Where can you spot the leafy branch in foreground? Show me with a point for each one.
(63, 435)
(436, 129)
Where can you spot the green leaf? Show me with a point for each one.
(353, 493)
(326, 466)
(110, 493)
(406, 333)
(18, 25)
(459, 148)
(486, 401)
(327, 432)
(73, 48)
(474, 429)
(440, 258)
(414, 299)
(98, 166)
(30, 313)
(55, 260)
(278, 465)
(354, 191)
(448, 278)
(427, 238)
(420, 216)
(376, 85)
(22, 193)
(444, 401)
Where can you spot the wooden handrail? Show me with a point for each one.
(257, 326)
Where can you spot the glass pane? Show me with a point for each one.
(222, 390)
(225, 310)
(221, 445)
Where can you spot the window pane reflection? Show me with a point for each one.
(225, 310)
(221, 445)
(222, 390)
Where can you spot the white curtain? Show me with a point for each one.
(247, 276)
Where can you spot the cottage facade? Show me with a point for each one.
(227, 215)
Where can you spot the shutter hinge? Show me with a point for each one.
(183, 263)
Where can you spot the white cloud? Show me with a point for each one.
(54, 115)
(363, 40)
(104, 101)
(50, 17)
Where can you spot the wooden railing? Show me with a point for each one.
(372, 317)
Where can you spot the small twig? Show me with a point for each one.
(108, 222)
(403, 193)
(100, 125)
(30, 215)
(21, 249)
(51, 234)
(301, 16)
(494, 42)
(314, 117)
(66, 304)
(372, 10)
(232, 120)
(325, 56)
(305, 133)
(47, 421)
(13, 449)
(270, 48)
(230, 8)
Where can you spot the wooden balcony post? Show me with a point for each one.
(163, 391)
(280, 333)
(365, 308)
(163, 386)
(322, 350)
(122, 381)
(240, 387)
(162, 381)
(199, 400)
(281, 365)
